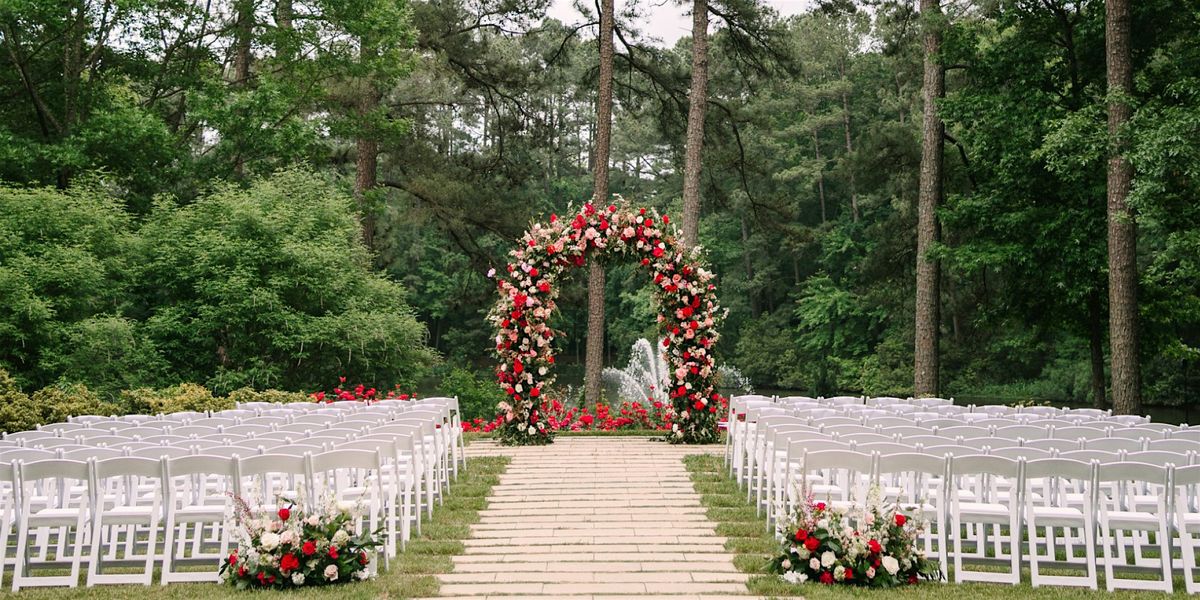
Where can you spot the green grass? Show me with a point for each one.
(411, 574)
(753, 547)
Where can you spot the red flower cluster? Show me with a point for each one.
(359, 393)
(628, 415)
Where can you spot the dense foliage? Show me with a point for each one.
(171, 253)
(265, 286)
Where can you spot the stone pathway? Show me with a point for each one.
(594, 517)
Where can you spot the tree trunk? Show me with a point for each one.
(284, 15)
(849, 145)
(1096, 346)
(1122, 228)
(748, 263)
(594, 365)
(697, 103)
(366, 164)
(820, 174)
(72, 78)
(243, 36)
(928, 300)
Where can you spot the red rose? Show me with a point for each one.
(233, 558)
(333, 553)
(901, 519)
(874, 546)
(827, 578)
(820, 506)
(241, 571)
(912, 579)
(801, 535)
(288, 562)
(309, 548)
(812, 544)
(362, 558)
(698, 405)
(849, 574)
(284, 514)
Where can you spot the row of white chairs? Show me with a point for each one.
(1068, 516)
(417, 446)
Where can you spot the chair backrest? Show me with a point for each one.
(1054, 444)
(1114, 445)
(1024, 432)
(8, 455)
(1021, 452)
(128, 466)
(32, 435)
(200, 464)
(964, 431)
(986, 465)
(1076, 432)
(153, 451)
(1174, 445)
(1103, 456)
(1161, 457)
(795, 399)
(194, 430)
(1132, 471)
(97, 453)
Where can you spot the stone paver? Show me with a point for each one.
(594, 518)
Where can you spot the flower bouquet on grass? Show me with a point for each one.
(291, 548)
(868, 545)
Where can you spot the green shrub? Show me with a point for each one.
(57, 403)
(278, 396)
(477, 397)
(20, 412)
(182, 397)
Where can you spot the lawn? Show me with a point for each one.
(412, 573)
(753, 545)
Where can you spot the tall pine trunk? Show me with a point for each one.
(1095, 326)
(243, 35)
(366, 158)
(820, 174)
(697, 103)
(594, 364)
(1122, 229)
(928, 297)
(849, 145)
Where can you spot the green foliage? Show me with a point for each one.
(478, 396)
(271, 286)
(20, 412)
(276, 396)
(62, 267)
(182, 397)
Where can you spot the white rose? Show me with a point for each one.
(803, 553)
(814, 564)
(827, 559)
(786, 564)
(823, 524)
(870, 572)
(331, 572)
(839, 573)
(269, 541)
(363, 574)
(313, 521)
(297, 578)
(795, 577)
(340, 538)
(287, 537)
(346, 506)
(890, 564)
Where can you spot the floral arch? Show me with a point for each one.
(688, 314)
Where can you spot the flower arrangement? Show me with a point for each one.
(649, 414)
(688, 316)
(359, 393)
(291, 548)
(870, 545)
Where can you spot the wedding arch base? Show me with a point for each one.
(688, 315)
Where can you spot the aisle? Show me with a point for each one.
(591, 517)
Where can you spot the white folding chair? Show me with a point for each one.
(197, 494)
(1186, 498)
(126, 495)
(353, 475)
(1118, 515)
(915, 482)
(992, 485)
(53, 499)
(1052, 507)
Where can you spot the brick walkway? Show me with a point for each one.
(593, 517)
